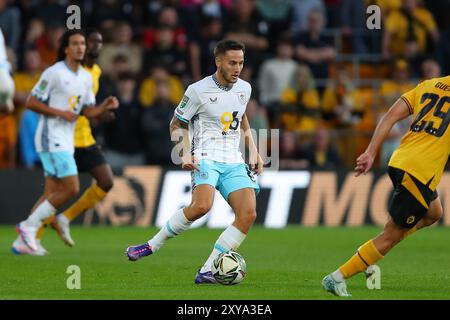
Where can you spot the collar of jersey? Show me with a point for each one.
(67, 66)
(224, 88)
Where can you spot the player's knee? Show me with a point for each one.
(72, 191)
(201, 208)
(248, 216)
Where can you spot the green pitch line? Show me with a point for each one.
(282, 264)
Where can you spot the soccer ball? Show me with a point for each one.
(229, 268)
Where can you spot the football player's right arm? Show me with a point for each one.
(179, 126)
(36, 105)
(397, 112)
(180, 129)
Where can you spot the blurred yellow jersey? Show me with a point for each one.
(83, 132)
(425, 148)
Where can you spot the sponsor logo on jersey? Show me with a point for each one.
(213, 100)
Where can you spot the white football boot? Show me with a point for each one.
(20, 248)
(28, 235)
(61, 225)
(335, 287)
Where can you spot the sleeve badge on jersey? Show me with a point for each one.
(184, 101)
(43, 85)
(242, 97)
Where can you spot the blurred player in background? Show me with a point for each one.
(6, 81)
(88, 155)
(415, 169)
(63, 92)
(214, 109)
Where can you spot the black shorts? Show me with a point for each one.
(411, 198)
(88, 158)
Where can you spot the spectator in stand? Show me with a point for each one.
(279, 15)
(321, 154)
(48, 44)
(248, 27)
(123, 135)
(25, 80)
(28, 126)
(291, 154)
(342, 104)
(257, 116)
(407, 32)
(431, 69)
(390, 91)
(300, 102)
(159, 74)
(10, 25)
(398, 84)
(165, 52)
(122, 45)
(276, 74)
(8, 141)
(51, 11)
(313, 48)
(302, 10)
(170, 18)
(35, 31)
(201, 47)
(353, 16)
(157, 142)
(106, 12)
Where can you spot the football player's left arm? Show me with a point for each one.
(108, 104)
(256, 162)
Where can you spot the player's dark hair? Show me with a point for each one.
(90, 31)
(64, 42)
(226, 45)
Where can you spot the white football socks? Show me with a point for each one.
(42, 212)
(173, 227)
(230, 239)
(337, 276)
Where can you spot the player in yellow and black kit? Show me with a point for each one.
(88, 156)
(415, 169)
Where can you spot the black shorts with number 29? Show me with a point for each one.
(411, 198)
(89, 158)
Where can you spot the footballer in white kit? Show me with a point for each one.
(6, 81)
(63, 92)
(63, 89)
(213, 111)
(214, 114)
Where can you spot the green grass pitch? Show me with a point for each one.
(282, 264)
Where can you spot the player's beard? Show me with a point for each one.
(229, 81)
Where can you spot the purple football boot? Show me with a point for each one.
(205, 278)
(136, 252)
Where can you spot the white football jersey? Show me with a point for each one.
(3, 57)
(214, 114)
(61, 88)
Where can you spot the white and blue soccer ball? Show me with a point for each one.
(229, 268)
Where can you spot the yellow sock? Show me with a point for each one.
(42, 228)
(93, 195)
(410, 231)
(366, 256)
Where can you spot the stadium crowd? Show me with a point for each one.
(318, 73)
